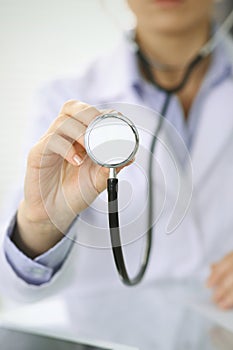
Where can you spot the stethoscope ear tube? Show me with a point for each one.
(177, 87)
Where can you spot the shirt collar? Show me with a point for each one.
(221, 66)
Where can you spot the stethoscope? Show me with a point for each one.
(112, 141)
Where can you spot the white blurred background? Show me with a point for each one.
(40, 40)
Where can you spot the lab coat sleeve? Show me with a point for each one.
(21, 278)
(41, 269)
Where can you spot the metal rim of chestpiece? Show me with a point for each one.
(95, 123)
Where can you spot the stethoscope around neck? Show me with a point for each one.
(112, 141)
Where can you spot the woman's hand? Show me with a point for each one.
(221, 280)
(61, 180)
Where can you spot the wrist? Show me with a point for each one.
(34, 236)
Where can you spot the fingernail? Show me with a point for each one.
(77, 159)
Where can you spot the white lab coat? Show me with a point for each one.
(204, 235)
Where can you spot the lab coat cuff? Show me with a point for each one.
(41, 269)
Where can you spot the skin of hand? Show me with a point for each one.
(221, 280)
(60, 182)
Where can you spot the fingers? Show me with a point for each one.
(220, 270)
(221, 279)
(65, 136)
(71, 129)
(80, 111)
(57, 144)
(223, 294)
(73, 121)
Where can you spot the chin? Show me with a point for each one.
(168, 26)
(172, 24)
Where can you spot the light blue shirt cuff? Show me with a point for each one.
(41, 269)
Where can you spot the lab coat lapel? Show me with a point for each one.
(214, 130)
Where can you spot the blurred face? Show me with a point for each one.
(171, 16)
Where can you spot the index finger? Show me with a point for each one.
(220, 270)
(80, 111)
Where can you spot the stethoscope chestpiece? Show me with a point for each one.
(111, 140)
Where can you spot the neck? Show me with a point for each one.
(177, 50)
